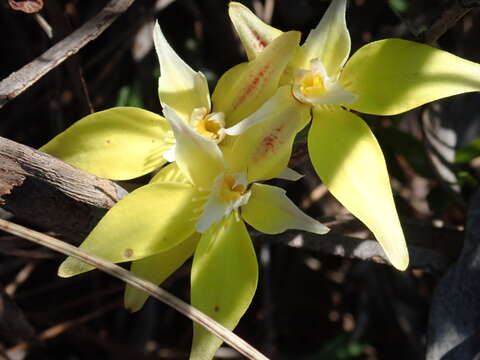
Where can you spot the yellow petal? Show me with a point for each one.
(330, 40)
(170, 173)
(270, 211)
(151, 219)
(350, 163)
(254, 34)
(228, 193)
(224, 279)
(393, 75)
(257, 82)
(264, 149)
(120, 143)
(199, 159)
(157, 268)
(179, 86)
(290, 175)
(225, 85)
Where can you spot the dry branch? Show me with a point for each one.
(51, 194)
(457, 10)
(19, 81)
(365, 249)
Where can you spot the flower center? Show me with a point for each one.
(210, 126)
(230, 190)
(312, 84)
(315, 87)
(228, 193)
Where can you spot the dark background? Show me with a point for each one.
(309, 305)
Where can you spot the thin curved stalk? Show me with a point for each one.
(189, 311)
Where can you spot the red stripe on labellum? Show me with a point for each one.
(269, 143)
(252, 85)
(260, 44)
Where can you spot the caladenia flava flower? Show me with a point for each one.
(385, 77)
(199, 205)
(123, 143)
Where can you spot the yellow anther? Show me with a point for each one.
(229, 190)
(210, 126)
(312, 85)
(209, 129)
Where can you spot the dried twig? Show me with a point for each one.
(44, 25)
(49, 193)
(124, 275)
(19, 81)
(431, 248)
(365, 249)
(449, 18)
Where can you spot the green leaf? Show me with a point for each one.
(393, 75)
(350, 163)
(340, 348)
(224, 279)
(270, 211)
(157, 268)
(399, 6)
(465, 179)
(130, 95)
(468, 152)
(119, 143)
(151, 219)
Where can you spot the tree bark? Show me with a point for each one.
(46, 192)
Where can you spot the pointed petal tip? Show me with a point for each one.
(294, 35)
(132, 307)
(233, 4)
(401, 262)
(65, 268)
(320, 229)
(158, 34)
(290, 175)
(394, 245)
(63, 274)
(132, 302)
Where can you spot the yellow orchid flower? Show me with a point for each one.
(126, 142)
(198, 205)
(385, 77)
